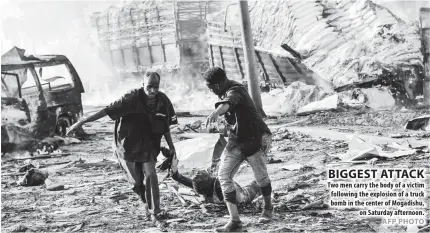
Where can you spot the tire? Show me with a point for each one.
(63, 123)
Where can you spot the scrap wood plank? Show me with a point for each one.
(40, 157)
(53, 164)
(14, 174)
(97, 164)
(278, 71)
(184, 203)
(238, 64)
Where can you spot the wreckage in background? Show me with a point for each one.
(41, 96)
(340, 45)
(347, 43)
(166, 35)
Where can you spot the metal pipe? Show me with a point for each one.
(250, 61)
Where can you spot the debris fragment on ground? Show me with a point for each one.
(419, 123)
(34, 177)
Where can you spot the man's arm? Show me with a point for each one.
(232, 99)
(172, 120)
(90, 118)
(169, 141)
(182, 179)
(220, 110)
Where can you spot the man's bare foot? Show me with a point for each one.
(159, 215)
(159, 224)
(266, 216)
(231, 226)
(146, 210)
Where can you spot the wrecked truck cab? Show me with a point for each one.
(48, 89)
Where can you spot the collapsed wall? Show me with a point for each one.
(344, 42)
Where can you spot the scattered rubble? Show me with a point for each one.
(282, 133)
(88, 180)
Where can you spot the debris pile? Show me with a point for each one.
(348, 43)
(390, 121)
(288, 100)
(359, 98)
(361, 151)
(342, 41)
(283, 133)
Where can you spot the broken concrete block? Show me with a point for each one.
(419, 123)
(34, 177)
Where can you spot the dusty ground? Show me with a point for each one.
(97, 198)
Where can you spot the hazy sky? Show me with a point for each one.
(62, 27)
(59, 26)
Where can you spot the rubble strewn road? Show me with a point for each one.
(87, 190)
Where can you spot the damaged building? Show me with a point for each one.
(347, 43)
(342, 45)
(143, 35)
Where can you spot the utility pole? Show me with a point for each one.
(425, 29)
(249, 52)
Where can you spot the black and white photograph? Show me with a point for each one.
(215, 116)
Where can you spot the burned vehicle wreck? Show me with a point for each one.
(41, 96)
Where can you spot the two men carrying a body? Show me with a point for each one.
(143, 116)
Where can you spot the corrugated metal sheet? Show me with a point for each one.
(225, 49)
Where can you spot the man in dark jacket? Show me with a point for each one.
(249, 139)
(141, 120)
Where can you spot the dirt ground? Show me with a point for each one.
(96, 197)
